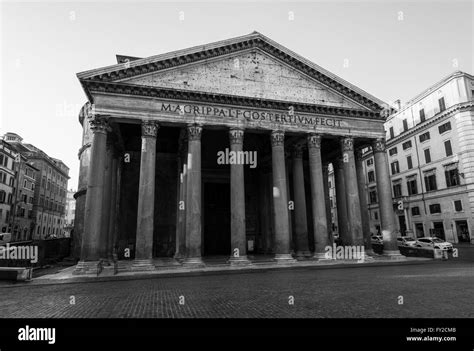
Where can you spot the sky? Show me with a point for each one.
(392, 50)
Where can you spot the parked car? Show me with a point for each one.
(432, 242)
(406, 241)
(5, 238)
(376, 239)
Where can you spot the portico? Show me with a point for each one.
(154, 186)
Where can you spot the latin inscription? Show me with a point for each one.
(250, 115)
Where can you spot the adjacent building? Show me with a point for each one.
(430, 146)
(70, 212)
(47, 187)
(7, 184)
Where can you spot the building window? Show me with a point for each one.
(452, 177)
(415, 211)
(405, 125)
(370, 162)
(435, 208)
(409, 162)
(24, 198)
(372, 195)
(406, 145)
(12, 180)
(448, 148)
(25, 184)
(427, 155)
(444, 127)
(3, 195)
(458, 205)
(422, 115)
(442, 105)
(392, 134)
(430, 182)
(376, 215)
(392, 151)
(397, 189)
(10, 198)
(424, 137)
(371, 176)
(395, 167)
(412, 187)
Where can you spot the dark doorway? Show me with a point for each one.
(403, 226)
(462, 231)
(420, 230)
(438, 230)
(216, 219)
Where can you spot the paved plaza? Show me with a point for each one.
(426, 289)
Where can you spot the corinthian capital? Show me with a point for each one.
(150, 129)
(347, 144)
(236, 136)
(194, 132)
(99, 124)
(298, 151)
(278, 138)
(378, 145)
(314, 141)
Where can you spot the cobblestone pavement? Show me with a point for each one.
(441, 289)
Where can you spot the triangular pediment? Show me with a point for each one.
(252, 74)
(251, 66)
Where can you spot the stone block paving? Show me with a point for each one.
(441, 289)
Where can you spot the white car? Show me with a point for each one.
(432, 242)
(406, 241)
(376, 239)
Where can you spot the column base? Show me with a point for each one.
(322, 256)
(393, 255)
(239, 261)
(193, 262)
(303, 255)
(88, 268)
(284, 258)
(179, 257)
(106, 262)
(142, 265)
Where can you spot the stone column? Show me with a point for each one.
(193, 198)
(146, 198)
(384, 192)
(364, 210)
(343, 228)
(90, 251)
(106, 204)
(352, 193)
(280, 198)
(327, 201)
(181, 206)
(301, 222)
(317, 196)
(113, 208)
(238, 232)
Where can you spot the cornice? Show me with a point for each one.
(195, 96)
(252, 42)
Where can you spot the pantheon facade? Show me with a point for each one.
(151, 186)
